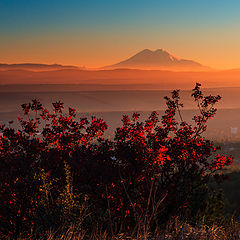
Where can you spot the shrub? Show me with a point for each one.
(148, 174)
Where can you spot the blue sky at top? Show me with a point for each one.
(168, 23)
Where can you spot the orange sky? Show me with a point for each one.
(106, 50)
(94, 35)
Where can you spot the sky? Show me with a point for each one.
(96, 33)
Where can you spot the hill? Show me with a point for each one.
(124, 78)
(35, 66)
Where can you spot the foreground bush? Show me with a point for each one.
(56, 170)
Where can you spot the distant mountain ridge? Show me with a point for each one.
(158, 59)
(35, 66)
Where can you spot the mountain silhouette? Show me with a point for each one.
(159, 59)
(34, 67)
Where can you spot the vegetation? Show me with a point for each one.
(61, 174)
(175, 230)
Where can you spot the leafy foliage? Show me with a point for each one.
(145, 176)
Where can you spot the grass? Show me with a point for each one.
(176, 230)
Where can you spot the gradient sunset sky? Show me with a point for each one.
(95, 33)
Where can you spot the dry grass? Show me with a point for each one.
(174, 231)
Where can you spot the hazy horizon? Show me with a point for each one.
(114, 65)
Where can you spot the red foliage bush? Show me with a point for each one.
(143, 177)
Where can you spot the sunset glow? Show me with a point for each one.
(120, 119)
(95, 34)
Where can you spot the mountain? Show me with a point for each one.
(159, 59)
(34, 67)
